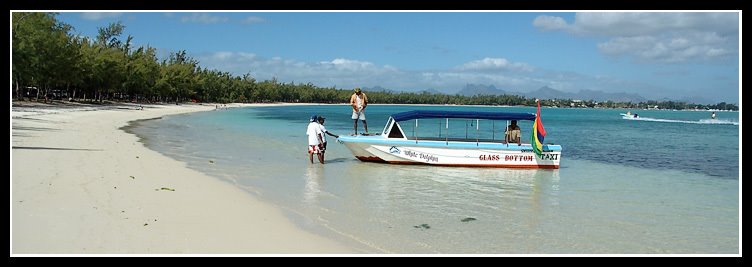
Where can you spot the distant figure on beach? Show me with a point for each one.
(140, 107)
(712, 115)
(323, 130)
(513, 133)
(359, 101)
(314, 139)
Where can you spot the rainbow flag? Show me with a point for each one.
(538, 133)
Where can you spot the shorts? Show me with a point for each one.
(359, 115)
(314, 149)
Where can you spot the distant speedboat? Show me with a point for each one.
(629, 116)
(395, 146)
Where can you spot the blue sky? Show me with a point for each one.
(653, 54)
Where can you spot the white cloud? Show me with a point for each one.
(491, 64)
(203, 18)
(656, 37)
(549, 23)
(100, 15)
(252, 20)
(348, 73)
(340, 72)
(342, 64)
(635, 23)
(669, 48)
(232, 56)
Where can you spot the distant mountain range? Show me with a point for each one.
(546, 92)
(697, 100)
(378, 89)
(430, 91)
(480, 89)
(384, 90)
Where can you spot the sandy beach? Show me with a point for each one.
(81, 185)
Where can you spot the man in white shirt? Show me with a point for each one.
(314, 139)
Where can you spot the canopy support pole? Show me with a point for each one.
(477, 131)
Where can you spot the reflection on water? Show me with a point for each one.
(312, 184)
(384, 203)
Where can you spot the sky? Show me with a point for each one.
(657, 55)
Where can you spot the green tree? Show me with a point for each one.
(42, 51)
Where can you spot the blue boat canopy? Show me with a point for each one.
(433, 114)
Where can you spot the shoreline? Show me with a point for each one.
(82, 185)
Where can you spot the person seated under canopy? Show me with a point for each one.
(512, 135)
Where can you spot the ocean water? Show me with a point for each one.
(667, 184)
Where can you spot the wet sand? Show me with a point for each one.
(81, 185)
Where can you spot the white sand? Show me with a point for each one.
(82, 185)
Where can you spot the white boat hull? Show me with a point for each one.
(450, 154)
(628, 116)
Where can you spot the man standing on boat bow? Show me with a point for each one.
(359, 101)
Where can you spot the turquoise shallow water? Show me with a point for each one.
(667, 185)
